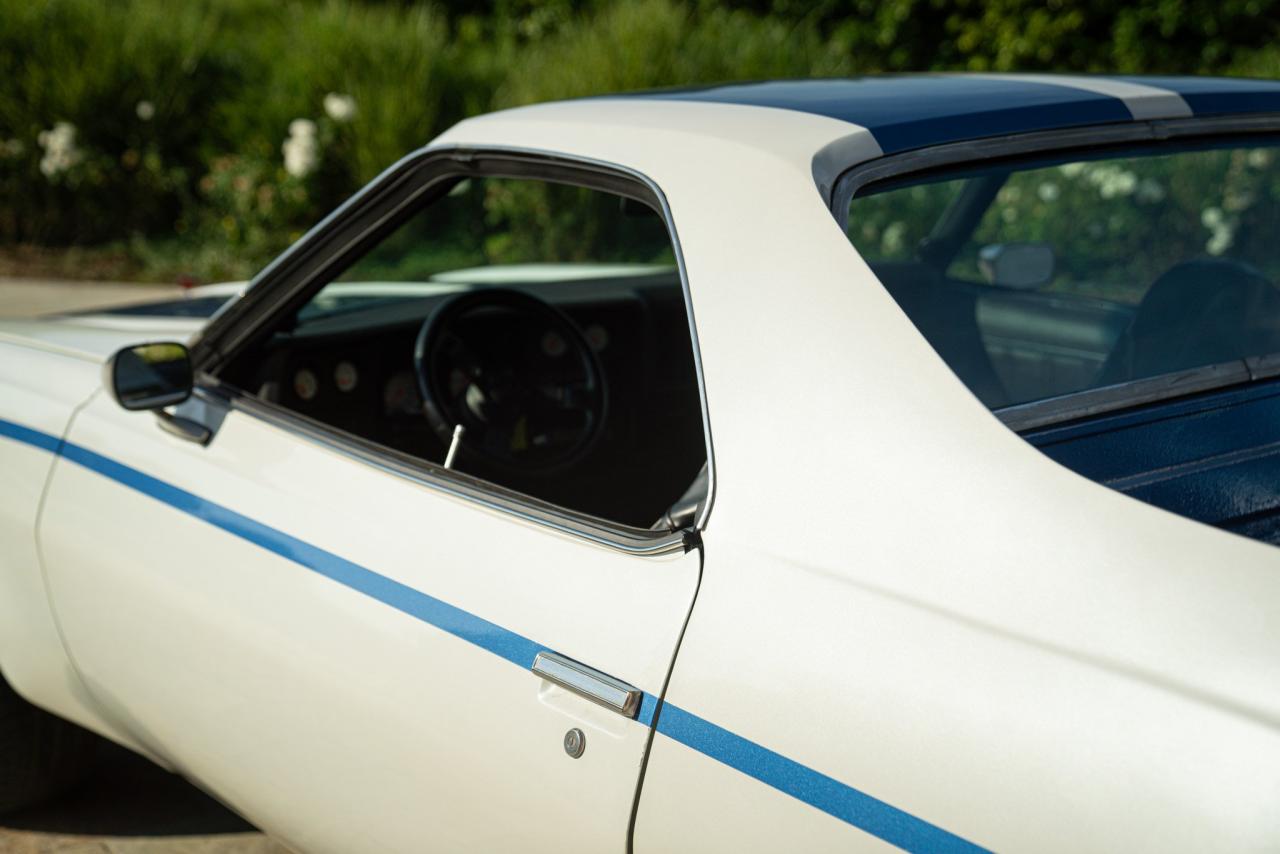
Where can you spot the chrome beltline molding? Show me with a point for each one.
(455, 484)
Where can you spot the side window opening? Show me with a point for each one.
(1035, 280)
(547, 320)
(1120, 309)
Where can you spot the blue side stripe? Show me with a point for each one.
(811, 787)
(648, 705)
(515, 648)
(27, 436)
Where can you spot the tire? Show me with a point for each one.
(41, 756)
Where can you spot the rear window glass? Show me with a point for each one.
(1035, 280)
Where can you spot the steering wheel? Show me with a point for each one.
(517, 374)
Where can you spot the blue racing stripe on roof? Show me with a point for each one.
(910, 112)
(787, 776)
(1218, 96)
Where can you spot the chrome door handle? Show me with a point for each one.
(588, 682)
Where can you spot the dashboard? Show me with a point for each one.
(354, 370)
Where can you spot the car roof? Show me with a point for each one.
(825, 127)
(904, 112)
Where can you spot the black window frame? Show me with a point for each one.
(288, 282)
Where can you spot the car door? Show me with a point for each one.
(340, 642)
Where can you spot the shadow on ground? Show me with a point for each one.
(129, 796)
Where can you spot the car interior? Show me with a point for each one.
(542, 327)
(1102, 303)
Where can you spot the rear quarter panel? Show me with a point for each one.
(938, 732)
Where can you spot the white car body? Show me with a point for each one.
(906, 626)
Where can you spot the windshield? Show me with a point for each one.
(1039, 279)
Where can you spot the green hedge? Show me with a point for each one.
(205, 135)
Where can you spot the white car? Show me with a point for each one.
(830, 465)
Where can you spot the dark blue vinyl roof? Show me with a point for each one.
(914, 111)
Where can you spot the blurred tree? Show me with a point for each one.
(1156, 36)
(155, 122)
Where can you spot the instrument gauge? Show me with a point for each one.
(345, 376)
(554, 345)
(597, 337)
(401, 395)
(305, 384)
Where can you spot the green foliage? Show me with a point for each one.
(512, 221)
(153, 124)
(1115, 223)
(167, 120)
(1150, 36)
(393, 64)
(653, 43)
(91, 65)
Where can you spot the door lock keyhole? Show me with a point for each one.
(575, 743)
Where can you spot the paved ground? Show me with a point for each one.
(27, 297)
(129, 806)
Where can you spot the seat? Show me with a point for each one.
(1197, 313)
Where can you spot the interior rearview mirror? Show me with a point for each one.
(150, 376)
(1016, 265)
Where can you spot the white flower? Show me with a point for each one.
(145, 110)
(60, 152)
(894, 238)
(1220, 241)
(12, 148)
(1259, 158)
(1112, 181)
(1149, 190)
(302, 128)
(301, 150)
(1048, 191)
(340, 108)
(1222, 230)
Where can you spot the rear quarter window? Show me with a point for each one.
(1039, 279)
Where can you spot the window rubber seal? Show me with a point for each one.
(300, 271)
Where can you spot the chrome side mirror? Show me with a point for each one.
(150, 376)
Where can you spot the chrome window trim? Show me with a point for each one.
(492, 496)
(1089, 402)
(601, 532)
